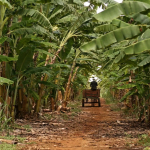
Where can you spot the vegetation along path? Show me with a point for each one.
(95, 128)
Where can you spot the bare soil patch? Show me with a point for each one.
(95, 128)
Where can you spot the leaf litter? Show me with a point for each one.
(93, 128)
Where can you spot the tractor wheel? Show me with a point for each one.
(82, 102)
(99, 103)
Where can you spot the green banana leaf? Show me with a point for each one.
(60, 65)
(126, 8)
(126, 86)
(145, 35)
(57, 2)
(112, 37)
(116, 23)
(105, 28)
(34, 94)
(119, 57)
(26, 2)
(56, 12)
(38, 16)
(66, 19)
(25, 58)
(8, 70)
(36, 29)
(138, 48)
(6, 58)
(113, 54)
(48, 44)
(5, 80)
(6, 4)
(145, 1)
(2, 40)
(142, 19)
(100, 2)
(67, 49)
(37, 70)
(44, 52)
(84, 17)
(79, 2)
(126, 95)
(145, 61)
(23, 23)
(119, 23)
(47, 83)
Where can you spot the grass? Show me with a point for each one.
(64, 116)
(27, 127)
(48, 116)
(75, 106)
(128, 135)
(18, 138)
(146, 148)
(75, 110)
(144, 140)
(114, 106)
(7, 147)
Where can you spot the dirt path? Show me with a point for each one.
(96, 128)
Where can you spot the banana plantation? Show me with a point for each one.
(48, 47)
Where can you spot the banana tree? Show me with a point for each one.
(72, 32)
(125, 50)
(3, 19)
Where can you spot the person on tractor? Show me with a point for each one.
(93, 84)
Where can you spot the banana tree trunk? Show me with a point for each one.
(73, 78)
(3, 94)
(57, 90)
(1, 26)
(42, 86)
(64, 40)
(2, 12)
(2, 22)
(69, 81)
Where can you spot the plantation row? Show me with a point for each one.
(48, 47)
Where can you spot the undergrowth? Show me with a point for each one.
(113, 103)
(75, 109)
(15, 138)
(5, 146)
(144, 140)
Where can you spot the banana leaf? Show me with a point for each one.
(105, 28)
(126, 8)
(116, 23)
(38, 16)
(126, 95)
(44, 52)
(138, 48)
(111, 38)
(126, 86)
(6, 58)
(5, 80)
(25, 58)
(2, 40)
(6, 4)
(141, 18)
(145, 61)
(37, 70)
